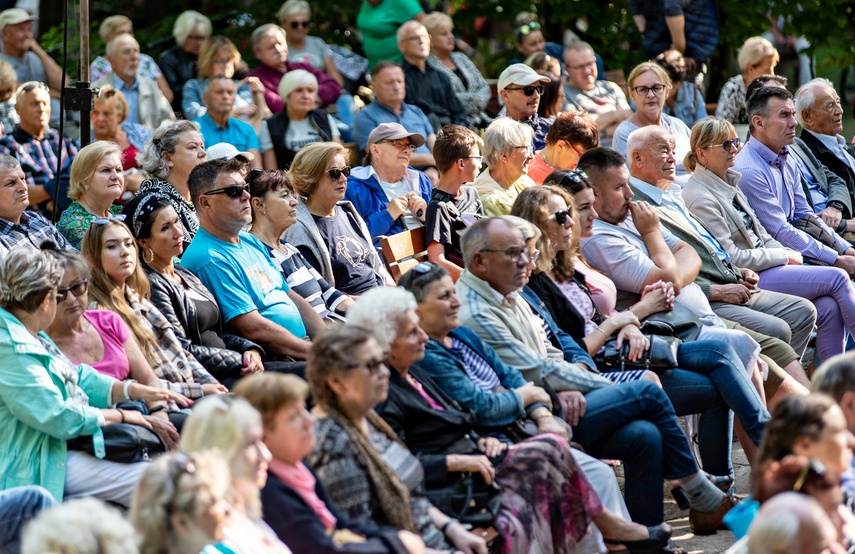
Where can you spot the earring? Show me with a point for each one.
(152, 256)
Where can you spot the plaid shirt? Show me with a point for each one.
(38, 160)
(32, 231)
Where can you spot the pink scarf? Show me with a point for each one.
(299, 478)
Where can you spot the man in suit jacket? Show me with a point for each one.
(733, 292)
(825, 191)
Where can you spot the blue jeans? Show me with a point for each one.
(18, 506)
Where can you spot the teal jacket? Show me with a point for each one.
(37, 415)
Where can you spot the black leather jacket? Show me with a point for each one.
(223, 363)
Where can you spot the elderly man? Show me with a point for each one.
(36, 146)
(146, 104)
(771, 182)
(217, 126)
(631, 421)
(520, 88)
(604, 100)
(254, 298)
(390, 195)
(793, 523)
(20, 227)
(269, 46)
(427, 87)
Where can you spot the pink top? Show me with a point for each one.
(602, 289)
(301, 479)
(114, 333)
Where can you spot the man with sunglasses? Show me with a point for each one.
(519, 89)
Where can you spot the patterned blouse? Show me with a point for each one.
(731, 101)
(75, 220)
(472, 91)
(186, 211)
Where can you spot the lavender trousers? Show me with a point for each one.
(830, 290)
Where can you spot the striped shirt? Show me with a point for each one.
(476, 367)
(307, 282)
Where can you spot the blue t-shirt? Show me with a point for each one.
(239, 134)
(243, 279)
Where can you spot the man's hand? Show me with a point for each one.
(644, 217)
(749, 279)
(847, 263)
(730, 294)
(416, 205)
(164, 428)
(574, 404)
(531, 393)
(831, 216)
(398, 206)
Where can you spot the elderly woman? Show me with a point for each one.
(649, 86)
(232, 429)
(296, 505)
(178, 63)
(712, 196)
(756, 57)
(507, 153)
(96, 182)
(468, 84)
(118, 284)
(274, 210)
(109, 123)
(182, 298)
(370, 475)
(9, 118)
(329, 232)
(571, 135)
(82, 526)
(219, 56)
(180, 505)
(175, 148)
(299, 124)
(389, 194)
(684, 99)
(46, 400)
(295, 17)
(534, 476)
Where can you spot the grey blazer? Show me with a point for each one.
(710, 199)
(832, 163)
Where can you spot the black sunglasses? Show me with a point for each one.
(298, 24)
(529, 90)
(727, 145)
(233, 191)
(336, 172)
(562, 215)
(77, 289)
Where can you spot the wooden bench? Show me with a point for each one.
(404, 251)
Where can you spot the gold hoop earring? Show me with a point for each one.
(152, 256)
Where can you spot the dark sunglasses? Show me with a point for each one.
(105, 220)
(234, 191)
(298, 24)
(77, 289)
(561, 216)
(727, 145)
(29, 87)
(529, 90)
(336, 172)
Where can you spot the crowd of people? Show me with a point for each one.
(208, 352)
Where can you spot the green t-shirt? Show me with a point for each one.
(379, 25)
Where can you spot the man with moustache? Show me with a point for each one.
(520, 88)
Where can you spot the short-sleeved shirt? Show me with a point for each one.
(443, 221)
(314, 51)
(239, 134)
(148, 68)
(114, 333)
(605, 97)
(243, 279)
(379, 24)
(28, 68)
(300, 133)
(350, 254)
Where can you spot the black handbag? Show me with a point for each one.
(660, 356)
(124, 443)
(468, 499)
(681, 322)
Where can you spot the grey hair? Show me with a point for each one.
(381, 309)
(293, 7)
(26, 276)
(782, 520)
(294, 79)
(209, 82)
(70, 259)
(113, 44)
(399, 35)
(641, 137)
(475, 238)
(805, 97)
(527, 229)
(501, 136)
(8, 162)
(265, 30)
(187, 22)
(164, 139)
(84, 525)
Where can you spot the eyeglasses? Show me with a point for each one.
(727, 145)
(529, 90)
(106, 220)
(583, 66)
(400, 144)
(297, 24)
(417, 38)
(336, 172)
(77, 289)
(515, 254)
(528, 150)
(479, 158)
(561, 216)
(579, 152)
(373, 366)
(233, 191)
(657, 89)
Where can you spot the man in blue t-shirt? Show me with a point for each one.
(254, 298)
(217, 125)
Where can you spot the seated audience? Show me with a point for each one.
(96, 182)
(253, 296)
(572, 134)
(46, 400)
(520, 88)
(390, 195)
(552, 99)
(507, 154)
(190, 308)
(454, 202)
(181, 504)
(271, 49)
(295, 15)
(329, 232)
(82, 526)
(684, 99)
(36, 146)
(112, 27)
(649, 85)
(428, 88)
(370, 476)
(467, 82)
(175, 148)
(543, 63)
(110, 123)
(757, 56)
(219, 56)
(232, 429)
(217, 124)
(299, 124)
(146, 103)
(377, 21)
(274, 210)
(191, 30)
(604, 100)
(9, 118)
(18, 506)
(295, 503)
(117, 283)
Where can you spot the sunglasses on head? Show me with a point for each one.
(528, 29)
(297, 24)
(105, 220)
(529, 90)
(77, 289)
(233, 191)
(561, 216)
(336, 172)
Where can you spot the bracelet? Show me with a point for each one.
(121, 413)
(157, 409)
(126, 389)
(603, 332)
(449, 522)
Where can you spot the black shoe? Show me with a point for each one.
(658, 538)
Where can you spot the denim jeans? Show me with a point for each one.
(18, 506)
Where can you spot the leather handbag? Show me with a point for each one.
(660, 356)
(124, 443)
(468, 499)
(681, 322)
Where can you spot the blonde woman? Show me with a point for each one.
(756, 57)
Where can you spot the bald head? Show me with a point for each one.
(650, 151)
(791, 523)
(414, 42)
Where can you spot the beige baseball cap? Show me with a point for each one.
(521, 75)
(14, 16)
(394, 131)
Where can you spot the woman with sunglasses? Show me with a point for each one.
(295, 17)
(571, 135)
(649, 85)
(329, 232)
(712, 196)
(97, 180)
